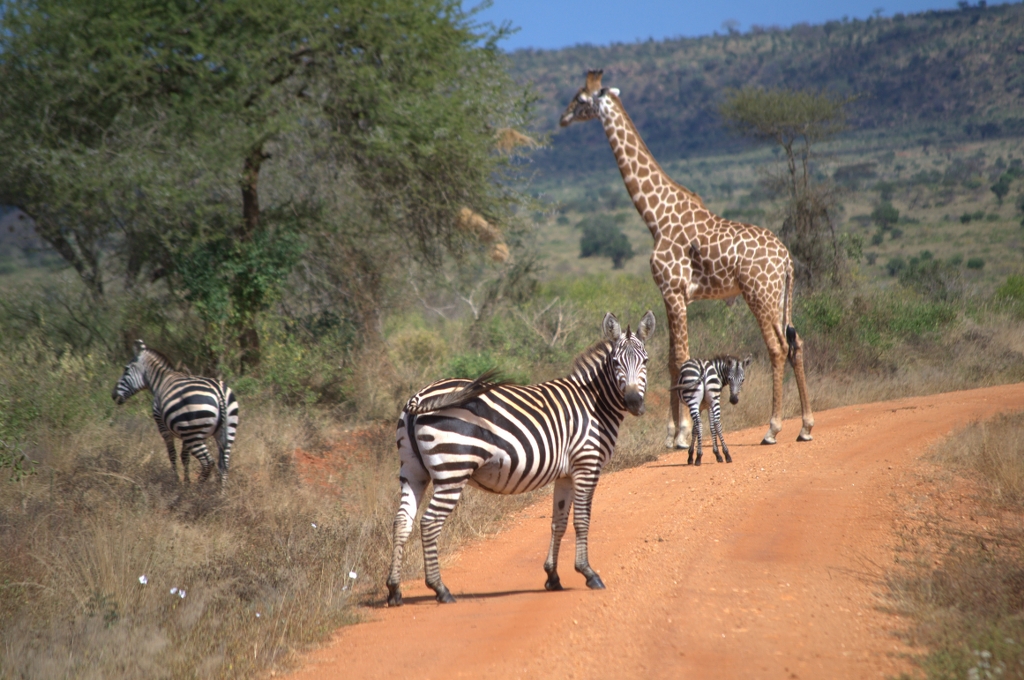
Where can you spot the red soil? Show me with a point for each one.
(769, 567)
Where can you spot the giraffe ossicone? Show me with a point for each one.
(698, 255)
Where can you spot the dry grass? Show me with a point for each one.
(960, 580)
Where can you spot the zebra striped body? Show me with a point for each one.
(189, 407)
(511, 439)
(700, 387)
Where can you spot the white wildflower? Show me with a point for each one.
(143, 580)
(174, 591)
(352, 574)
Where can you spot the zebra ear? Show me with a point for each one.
(610, 326)
(646, 326)
(746, 362)
(139, 346)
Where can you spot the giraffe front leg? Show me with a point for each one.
(584, 483)
(560, 506)
(680, 424)
(777, 355)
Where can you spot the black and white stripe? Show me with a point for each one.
(511, 439)
(700, 387)
(189, 407)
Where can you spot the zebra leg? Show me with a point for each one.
(414, 478)
(561, 503)
(202, 454)
(171, 453)
(224, 438)
(698, 430)
(442, 502)
(714, 416)
(716, 431)
(584, 484)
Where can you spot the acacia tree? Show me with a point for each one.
(138, 136)
(796, 121)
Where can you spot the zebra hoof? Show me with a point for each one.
(804, 437)
(444, 597)
(594, 582)
(696, 462)
(767, 442)
(728, 458)
(394, 596)
(553, 583)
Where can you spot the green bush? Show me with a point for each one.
(939, 281)
(603, 237)
(975, 263)
(895, 265)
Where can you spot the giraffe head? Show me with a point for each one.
(584, 106)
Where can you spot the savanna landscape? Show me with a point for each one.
(329, 208)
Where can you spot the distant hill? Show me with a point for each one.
(938, 74)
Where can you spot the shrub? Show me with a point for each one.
(603, 237)
(885, 215)
(975, 263)
(939, 281)
(895, 265)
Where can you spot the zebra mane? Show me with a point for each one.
(583, 365)
(484, 383)
(163, 361)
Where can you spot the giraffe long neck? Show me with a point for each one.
(647, 183)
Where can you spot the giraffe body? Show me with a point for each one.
(698, 255)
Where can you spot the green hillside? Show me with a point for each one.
(941, 75)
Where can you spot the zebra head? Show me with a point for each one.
(628, 359)
(134, 377)
(735, 376)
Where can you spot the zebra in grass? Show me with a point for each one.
(511, 439)
(700, 386)
(189, 407)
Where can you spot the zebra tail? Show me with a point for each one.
(482, 385)
(222, 437)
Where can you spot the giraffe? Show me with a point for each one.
(700, 256)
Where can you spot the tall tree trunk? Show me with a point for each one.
(248, 336)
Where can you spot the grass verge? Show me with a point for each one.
(963, 586)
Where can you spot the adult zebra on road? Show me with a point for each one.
(700, 387)
(512, 439)
(189, 407)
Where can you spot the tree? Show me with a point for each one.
(796, 120)
(140, 135)
(1002, 186)
(885, 215)
(602, 237)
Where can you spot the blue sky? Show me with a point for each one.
(552, 24)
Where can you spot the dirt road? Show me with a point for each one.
(765, 568)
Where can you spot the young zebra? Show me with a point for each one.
(700, 385)
(511, 439)
(185, 406)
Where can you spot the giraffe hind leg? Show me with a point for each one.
(796, 360)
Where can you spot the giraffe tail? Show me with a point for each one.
(792, 341)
